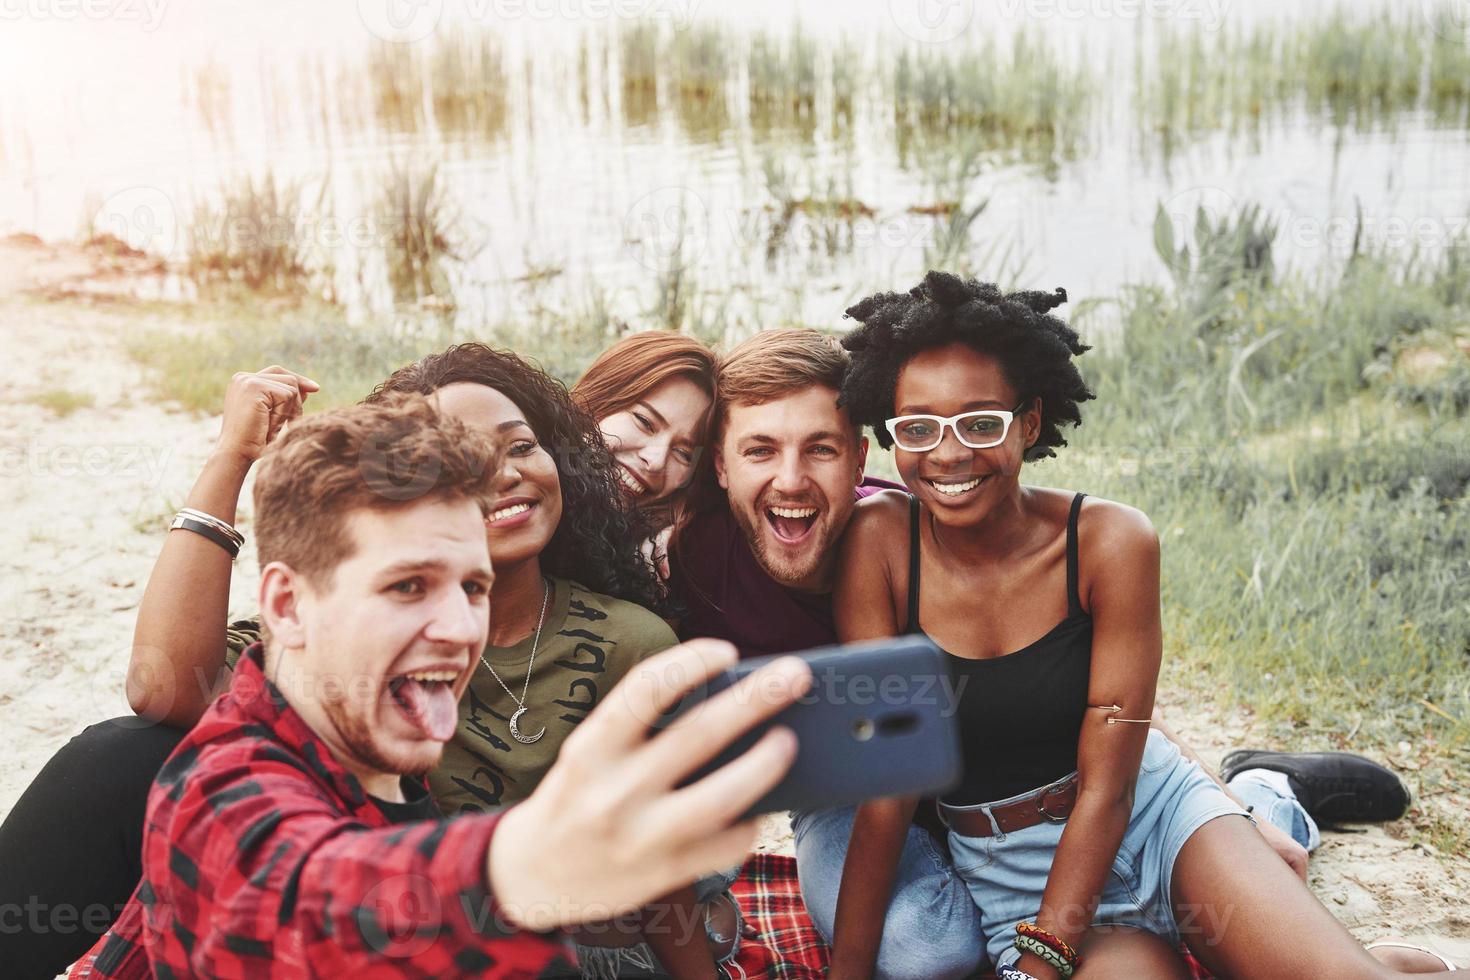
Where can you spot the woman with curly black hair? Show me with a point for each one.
(1075, 828)
(573, 605)
(597, 539)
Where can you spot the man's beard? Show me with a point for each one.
(785, 571)
(357, 738)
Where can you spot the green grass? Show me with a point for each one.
(420, 228)
(638, 61)
(208, 89)
(831, 209)
(1363, 67)
(783, 83)
(1311, 491)
(395, 77)
(1028, 97)
(61, 401)
(956, 209)
(256, 235)
(701, 67)
(1356, 68)
(1449, 74)
(265, 236)
(468, 84)
(459, 78)
(1433, 826)
(313, 339)
(189, 362)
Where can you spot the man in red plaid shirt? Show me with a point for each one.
(292, 834)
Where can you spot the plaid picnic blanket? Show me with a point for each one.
(789, 946)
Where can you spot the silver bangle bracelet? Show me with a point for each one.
(187, 523)
(223, 527)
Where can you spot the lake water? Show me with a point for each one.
(591, 153)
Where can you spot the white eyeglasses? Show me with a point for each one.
(978, 430)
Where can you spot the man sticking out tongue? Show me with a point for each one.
(292, 834)
(427, 699)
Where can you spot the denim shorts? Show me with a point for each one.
(638, 960)
(1007, 873)
(931, 930)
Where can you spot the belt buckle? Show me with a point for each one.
(1046, 814)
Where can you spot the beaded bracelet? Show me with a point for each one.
(1011, 973)
(1039, 949)
(1055, 942)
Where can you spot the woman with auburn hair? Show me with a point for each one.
(652, 395)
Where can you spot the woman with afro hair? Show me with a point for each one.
(1075, 828)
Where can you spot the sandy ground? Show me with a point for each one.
(88, 494)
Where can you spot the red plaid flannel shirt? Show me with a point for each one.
(263, 857)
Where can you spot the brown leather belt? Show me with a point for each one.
(1053, 804)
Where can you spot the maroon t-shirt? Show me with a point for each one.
(728, 595)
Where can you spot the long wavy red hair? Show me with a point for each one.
(627, 371)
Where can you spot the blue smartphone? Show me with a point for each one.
(879, 720)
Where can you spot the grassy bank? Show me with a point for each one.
(191, 365)
(1303, 449)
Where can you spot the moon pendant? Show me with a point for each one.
(515, 732)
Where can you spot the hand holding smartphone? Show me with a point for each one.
(879, 720)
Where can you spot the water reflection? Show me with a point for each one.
(811, 161)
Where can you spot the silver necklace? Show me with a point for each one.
(515, 732)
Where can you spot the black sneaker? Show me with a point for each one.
(1334, 787)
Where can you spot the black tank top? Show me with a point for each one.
(1020, 714)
